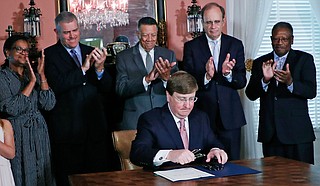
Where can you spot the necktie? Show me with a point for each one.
(75, 57)
(215, 53)
(183, 134)
(149, 63)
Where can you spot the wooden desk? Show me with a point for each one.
(276, 171)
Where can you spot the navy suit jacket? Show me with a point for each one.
(130, 73)
(157, 130)
(281, 112)
(79, 114)
(218, 94)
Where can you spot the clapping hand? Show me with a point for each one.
(228, 65)
(283, 76)
(210, 69)
(164, 67)
(268, 69)
(96, 57)
(32, 76)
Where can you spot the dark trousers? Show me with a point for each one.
(302, 152)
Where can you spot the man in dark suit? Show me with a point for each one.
(142, 72)
(162, 138)
(77, 124)
(284, 80)
(216, 60)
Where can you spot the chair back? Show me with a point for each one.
(122, 143)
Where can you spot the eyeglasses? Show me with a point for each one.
(282, 39)
(185, 100)
(21, 50)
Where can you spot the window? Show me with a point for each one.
(306, 31)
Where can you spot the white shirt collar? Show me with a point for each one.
(144, 52)
(177, 120)
(284, 56)
(210, 40)
(77, 49)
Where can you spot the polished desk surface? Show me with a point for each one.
(275, 171)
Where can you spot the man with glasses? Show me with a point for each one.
(174, 132)
(216, 60)
(142, 72)
(284, 80)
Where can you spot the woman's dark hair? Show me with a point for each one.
(9, 44)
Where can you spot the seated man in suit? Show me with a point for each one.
(170, 133)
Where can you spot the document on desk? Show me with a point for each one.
(183, 174)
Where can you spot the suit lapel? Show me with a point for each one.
(84, 51)
(223, 51)
(206, 53)
(156, 53)
(137, 58)
(171, 127)
(289, 60)
(193, 132)
(65, 56)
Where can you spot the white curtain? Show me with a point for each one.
(246, 20)
(315, 5)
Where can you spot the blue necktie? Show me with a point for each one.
(75, 57)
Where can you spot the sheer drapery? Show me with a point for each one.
(246, 20)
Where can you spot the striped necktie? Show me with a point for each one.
(75, 57)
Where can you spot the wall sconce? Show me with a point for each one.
(31, 21)
(31, 28)
(194, 19)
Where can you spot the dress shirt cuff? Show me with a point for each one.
(215, 148)
(161, 157)
(145, 84)
(100, 74)
(205, 80)
(229, 76)
(83, 72)
(264, 85)
(290, 87)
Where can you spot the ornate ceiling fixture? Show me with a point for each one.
(100, 13)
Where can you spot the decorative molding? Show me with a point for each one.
(162, 33)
